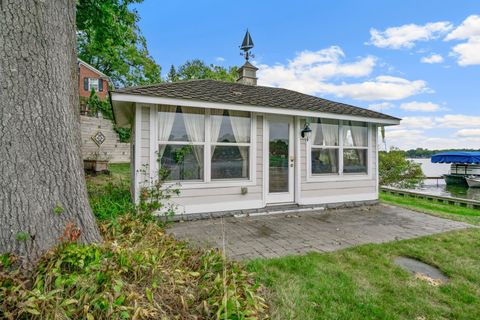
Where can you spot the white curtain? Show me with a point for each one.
(241, 131)
(359, 138)
(216, 124)
(359, 135)
(194, 119)
(314, 126)
(330, 137)
(166, 117)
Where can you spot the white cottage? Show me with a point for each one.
(237, 146)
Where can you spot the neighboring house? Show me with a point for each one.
(91, 78)
(236, 146)
(92, 123)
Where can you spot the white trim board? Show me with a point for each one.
(231, 106)
(138, 139)
(339, 198)
(218, 207)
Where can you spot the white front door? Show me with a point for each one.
(280, 161)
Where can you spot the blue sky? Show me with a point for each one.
(418, 60)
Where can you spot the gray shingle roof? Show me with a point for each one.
(236, 93)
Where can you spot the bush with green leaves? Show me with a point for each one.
(395, 170)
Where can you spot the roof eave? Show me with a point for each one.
(136, 98)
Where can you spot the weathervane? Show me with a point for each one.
(247, 44)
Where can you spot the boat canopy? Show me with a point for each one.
(457, 157)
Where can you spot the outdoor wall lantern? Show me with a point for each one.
(306, 132)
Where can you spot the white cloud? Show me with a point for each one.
(381, 106)
(470, 27)
(457, 121)
(312, 72)
(468, 133)
(434, 58)
(420, 106)
(416, 122)
(380, 88)
(451, 121)
(405, 138)
(220, 59)
(405, 36)
(467, 53)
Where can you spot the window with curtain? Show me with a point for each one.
(355, 147)
(333, 140)
(230, 144)
(325, 146)
(181, 136)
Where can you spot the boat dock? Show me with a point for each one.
(468, 203)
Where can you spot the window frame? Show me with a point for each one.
(322, 147)
(207, 144)
(230, 144)
(340, 176)
(90, 80)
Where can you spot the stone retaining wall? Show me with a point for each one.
(112, 148)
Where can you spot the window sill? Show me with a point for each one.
(338, 177)
(212, 184)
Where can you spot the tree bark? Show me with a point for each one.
(42, 184)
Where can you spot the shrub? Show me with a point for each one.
(396, 170)
(138, 272)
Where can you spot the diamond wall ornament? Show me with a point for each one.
(98, 138)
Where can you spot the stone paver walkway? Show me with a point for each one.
(321, 230)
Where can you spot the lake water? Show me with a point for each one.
(439, 188)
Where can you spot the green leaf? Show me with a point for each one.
(149, 295)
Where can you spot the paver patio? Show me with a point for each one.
(277, 235)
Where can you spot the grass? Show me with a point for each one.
(109, 194)
(364, 283)
(439, 209)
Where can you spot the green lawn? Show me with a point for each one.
(435, 208)
(363, 283)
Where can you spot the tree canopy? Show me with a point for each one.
(197, 69)
(109, 38)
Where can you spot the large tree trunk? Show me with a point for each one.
(42, 184)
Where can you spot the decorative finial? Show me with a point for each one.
(247, 44)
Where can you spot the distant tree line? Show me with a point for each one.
(425, 153)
